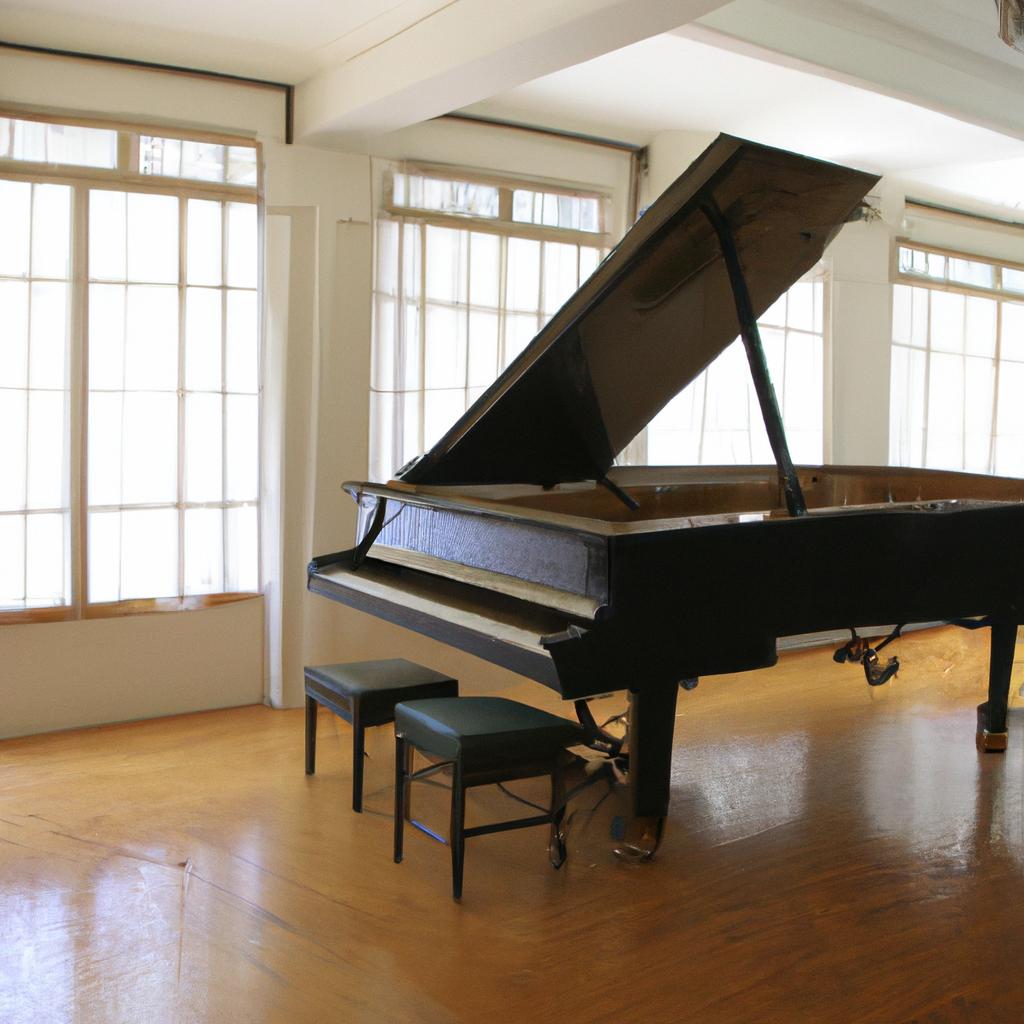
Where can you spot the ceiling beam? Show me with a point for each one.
(849, 43)
(468, 51)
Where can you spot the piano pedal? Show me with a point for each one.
(877, 673)
(856, 649)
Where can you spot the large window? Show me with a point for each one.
(468, 270)
(957, 362)
(129, 370)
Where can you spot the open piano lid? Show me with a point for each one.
(652, 316)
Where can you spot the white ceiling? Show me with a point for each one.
(679, 81)
(259, 38)
(830, 78)
(671, 82)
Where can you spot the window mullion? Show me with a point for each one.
(996, 363)
(78, 399)
(182, 262)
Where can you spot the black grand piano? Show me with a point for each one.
(514, 537)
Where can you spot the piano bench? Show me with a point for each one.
(365, 693)
(483, 740)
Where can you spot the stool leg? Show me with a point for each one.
(556, 844)
(358, 744)
(456, 831)
(410, 753)
(311, 706)
(400, 790)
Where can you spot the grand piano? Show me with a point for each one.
(515, 539)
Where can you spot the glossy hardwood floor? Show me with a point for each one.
(836, 854)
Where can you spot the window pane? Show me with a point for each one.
(973, 272)
(445, 350)
(39, 142)
(13, 334)
(159, 156)
(558, 210)
(203, 443)
(241, 454)
(12, 561)
(203, 339)
(204, 551)
(947, 322)
(45, 562)
(523, 288)
(906, 415)
(944, 447)
(560, 275)
(485, 251)
(447, 268)
(108, 233)
(51, 231)
(47, 450)
(242, 165)
(104, 556)
(105, 419)
(464, 198)
(202, 161)
(1013, 280)
(520, 330)
(1012, 338)
(106, 336)
(483, 348)
(981, 326)
(800, 306)
(15, 215)
(150, 444)
(241, 368)
(242, 245)
(205, 232)
(14, 450)
(440, 410)
(151, 338)
(48, 335)
(149, 553)
(152, 238)
(241, 568)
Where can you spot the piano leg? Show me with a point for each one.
(652, 719)
(992, 733)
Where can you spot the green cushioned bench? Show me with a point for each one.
(483, 740)
(365, 693)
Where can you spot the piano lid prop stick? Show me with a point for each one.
(751, 335)
(625, 497)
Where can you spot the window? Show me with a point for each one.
(128, 335)
(716, 420)
(957, 362)
(468, 269)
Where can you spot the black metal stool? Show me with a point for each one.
(365, 693)
(484, 740)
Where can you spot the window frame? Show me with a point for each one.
(126, 177)
(996, 293)
(501, 226)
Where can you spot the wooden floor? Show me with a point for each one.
(835, 854)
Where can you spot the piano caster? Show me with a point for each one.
(989, 741)
(641, 841)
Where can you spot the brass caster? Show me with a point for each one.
(641, 841)
(991, 742)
